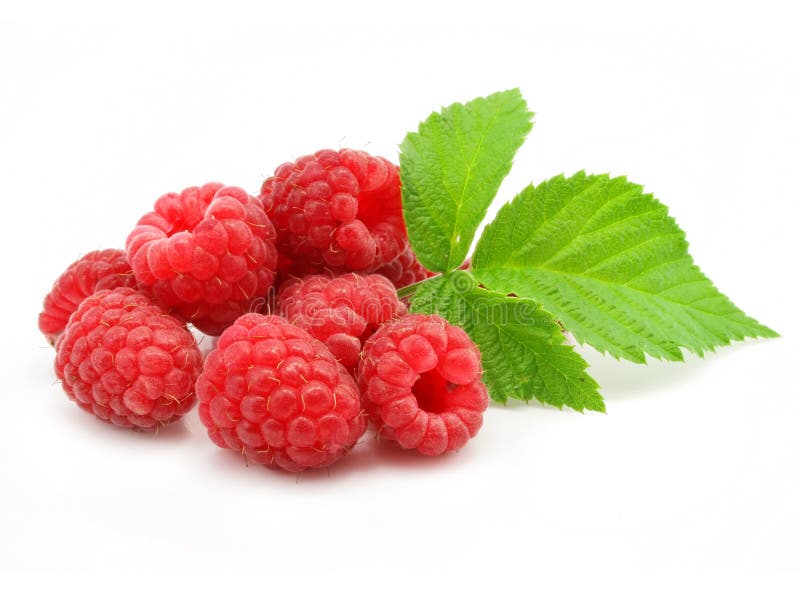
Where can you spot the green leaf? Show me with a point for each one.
(612, 265)
(451, 170)
(522, 346)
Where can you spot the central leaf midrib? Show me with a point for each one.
(612, 285)
(460, 203)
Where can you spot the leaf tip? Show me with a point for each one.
(766, 332)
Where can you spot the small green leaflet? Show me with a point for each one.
(451, 170)
(610, 263)
(522, 346)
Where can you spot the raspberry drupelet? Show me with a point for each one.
(405, 269)
(276, 394)
(126, 361)
(208, 254)
(420, 380)
(342, 311)
(336, 210)
(101, 269)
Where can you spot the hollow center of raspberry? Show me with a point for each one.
(431, 391)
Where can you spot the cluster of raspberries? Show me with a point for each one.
(299, 285)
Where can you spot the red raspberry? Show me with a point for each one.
(405, 269)
(342, 312)
(101, 269)
(337, 211)
(421, 383)
(273, 392)
(208, 254)
(123, 359)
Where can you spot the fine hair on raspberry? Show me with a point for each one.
(336, 210)
(420, 380)
(126, 361)
(276, 394)
(341, 311)
(208, 254)
(100, 269)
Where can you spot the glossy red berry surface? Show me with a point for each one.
(208, 254)
(337, 211)
(420, 380)
(341, 311)
(124, 360)
(276, 394)
(101, 269)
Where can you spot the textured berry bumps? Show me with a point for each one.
(340, 311)
(208, 254)
(126, 361)
(101, 269)
(421, 383)
(337, 211)
(273, 392)
(405, 269)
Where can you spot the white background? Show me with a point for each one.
(689, 482)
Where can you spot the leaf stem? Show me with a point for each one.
(410, 290)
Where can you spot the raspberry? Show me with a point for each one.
(336, 210)
(276, 394)
(208, 254)
(405, 269)
(342, 312)
(126, 361)
(421, 383)
(101, 269)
